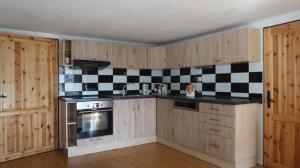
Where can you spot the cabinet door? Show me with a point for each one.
(173, 55)
(142, 57)
(130, 53)
(192, 53)
(205, 53)
(145, 118)
(182, 60)
(165, 123)
(96, 51)
(157, 57)
(117, 55)
(216, 46)
(78, 49)
(186, 128)
(215, 145)
(124, 120)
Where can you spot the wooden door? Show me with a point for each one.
(124, 125)
(282, 95)
(28, 113)
(145, 118)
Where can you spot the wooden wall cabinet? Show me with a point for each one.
(242, 45)
(157, 57)
(82, 50)
(128, 56)
(134, 118)
(89, 50)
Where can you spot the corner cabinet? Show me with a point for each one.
(224, 135)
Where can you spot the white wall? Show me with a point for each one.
(261, 25)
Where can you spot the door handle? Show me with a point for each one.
(2, 96)
(269, 99)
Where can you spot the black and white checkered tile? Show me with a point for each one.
(106, 81)
(232, 80)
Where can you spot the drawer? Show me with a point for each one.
(229, 153)
(217, 130)
(219, 120)
(215, 145)
(95, 141)
(228, 110)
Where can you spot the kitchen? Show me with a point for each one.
(218, 99)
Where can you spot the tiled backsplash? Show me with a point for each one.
(236, 80)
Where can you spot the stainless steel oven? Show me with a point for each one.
(94, 118)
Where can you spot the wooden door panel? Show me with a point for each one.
(36, 131)
(282, 118)
(27, 121)
(10, 140)
(35, 76)
(8, 79)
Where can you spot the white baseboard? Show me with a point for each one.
(77, 151)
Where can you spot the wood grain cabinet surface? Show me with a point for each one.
(89, 50)
(156, 57)
(235, 46)
(135, 118)
(226, 132)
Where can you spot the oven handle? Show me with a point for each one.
(83, 112)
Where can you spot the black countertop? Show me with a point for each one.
(208, 99)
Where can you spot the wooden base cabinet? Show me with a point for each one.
(134, 118)
(225, 135)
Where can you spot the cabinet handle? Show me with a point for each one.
(213, 119)
(214, 145)
(2, 96)
(214, 130)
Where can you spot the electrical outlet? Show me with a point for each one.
(199, 78)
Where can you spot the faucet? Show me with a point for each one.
(124, 92)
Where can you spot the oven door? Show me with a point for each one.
(94, 123)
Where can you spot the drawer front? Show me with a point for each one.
(94, 141)
(219, 120)
(215, 145)
(229, 153)
(217, 130)
(221, 109)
